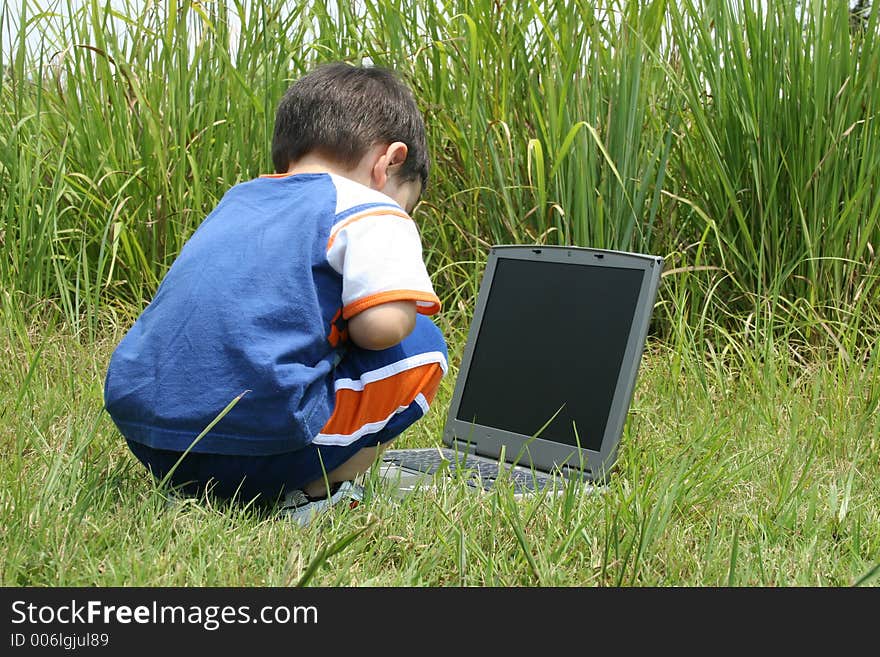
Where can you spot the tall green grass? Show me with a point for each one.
(782, 150)
(126, 129)
(742, 145)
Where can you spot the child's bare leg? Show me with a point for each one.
(354, 466)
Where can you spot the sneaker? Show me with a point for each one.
(302, 509)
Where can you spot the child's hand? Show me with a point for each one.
(382, 326)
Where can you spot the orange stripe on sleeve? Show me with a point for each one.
(380, 211)
(380, 399)
(363, 303)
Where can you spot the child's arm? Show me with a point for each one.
(378, 252)
(382, 326)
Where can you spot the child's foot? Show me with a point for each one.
(302, 509)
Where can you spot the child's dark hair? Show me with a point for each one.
(341, 111)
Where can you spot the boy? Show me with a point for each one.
(303, 294)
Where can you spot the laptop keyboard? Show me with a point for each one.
(479, 472)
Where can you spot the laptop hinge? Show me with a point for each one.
(577, 473)
(463, 446)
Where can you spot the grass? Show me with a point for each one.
(726, 476)
(701, 131)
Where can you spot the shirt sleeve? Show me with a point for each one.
(379, 255)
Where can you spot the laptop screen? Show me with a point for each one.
(552, 336)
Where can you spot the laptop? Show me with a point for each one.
(547, 373)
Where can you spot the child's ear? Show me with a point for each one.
(397, 153)
(392, 156)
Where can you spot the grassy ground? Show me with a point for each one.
(766, 474)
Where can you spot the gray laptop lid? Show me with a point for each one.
(553, 349)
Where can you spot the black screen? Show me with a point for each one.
(552, 335)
